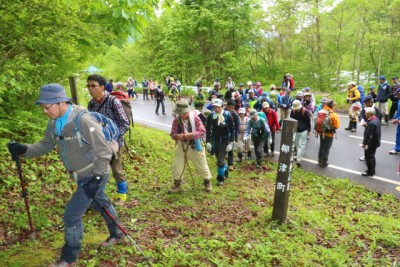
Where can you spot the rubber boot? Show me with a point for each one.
(385, 120)
(121, 193)
(176, 188)
(226, 172)
(220, 177)
(207, 185)
(249, 155)
(240, 157)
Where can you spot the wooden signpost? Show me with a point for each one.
(285, 165)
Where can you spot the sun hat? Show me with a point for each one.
(251, 91)
(299, 93)
(52, 94)
(242, 110)
(249, 83)
(265, 105)
(182, 106)
(253, 113)
(296, 105)
(217, 103)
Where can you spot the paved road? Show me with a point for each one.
(343, 157)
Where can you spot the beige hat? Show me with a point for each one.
(296, 104)
(265, 105)
(242, 110)
(182, 106)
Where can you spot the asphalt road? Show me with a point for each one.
(343, 158)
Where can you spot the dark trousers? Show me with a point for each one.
(272, 146)
(325, 143)
(230, 158)
(162, 106)
(258, 142)
(370, 159)
(145, 93)
(220, 150)
(393, 109)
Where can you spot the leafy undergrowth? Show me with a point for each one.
(331, 222)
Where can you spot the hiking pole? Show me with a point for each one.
(24, 191)
(187, 163)
(112, 218)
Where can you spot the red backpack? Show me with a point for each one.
(323, 122)
(126, 104)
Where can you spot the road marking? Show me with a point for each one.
(398, 188)
(134, 102)
(382, 141)
(356, 172)
(153, 122)
(343, 116)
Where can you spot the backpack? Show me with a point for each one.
(261, 131)
(110, 130)
(323, 122)
(226, 114)
(126, 104)
(362, 93)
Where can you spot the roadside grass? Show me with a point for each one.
(331, 222)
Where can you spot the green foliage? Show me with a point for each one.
(331, 222)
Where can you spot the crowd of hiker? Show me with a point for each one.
(89, 141)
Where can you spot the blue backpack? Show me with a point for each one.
(362, 93)
(110, 129)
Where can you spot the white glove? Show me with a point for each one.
(208, 146)
(270, 140)
(229, 147)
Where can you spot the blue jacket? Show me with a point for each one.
(384, 91)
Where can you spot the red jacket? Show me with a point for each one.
(273, 121)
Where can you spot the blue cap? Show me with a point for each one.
(52, 94)
(372, 87)
(264, 94)
(367, 98)
(382, 77)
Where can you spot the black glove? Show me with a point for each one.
(92, 186)
(16, 149)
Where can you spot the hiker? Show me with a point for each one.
(112, 108)
(152, 86)
(275, 97)
(187, 131)
(88, 165)
(285, 105)
(199, 82)
(308, 104)
(368, 102)
(264, 98)
(393, 97)
(382, 98)
(396, 121)
(230, 107)
(221, 133)
(241, 143)
(199, 99)
(302, 116)
(173, 95)
(325, 124)
(312, 97)
(240, 91)
(252, 99)
(372, 93)
(145, 86)
(258, 89)
(288, 82)
(257, 128)
(109, 86)
(119, 87)
(131, 88)
(371, 140)
(238, 101)
(215, 92)
(230, 85)
(353, 98)
(273, 123)
(160, 97)
(178, 86)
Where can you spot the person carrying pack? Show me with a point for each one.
(220, 131)
(326, 123)
(145, 85)
(112, 108)
(88, 165)
(127, 106)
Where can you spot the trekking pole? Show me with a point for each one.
(112, 218)
(24, 192)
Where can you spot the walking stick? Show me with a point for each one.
(187, 163)
(24, 192)
(112, 218)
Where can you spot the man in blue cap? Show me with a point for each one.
(87, 164)
(382, 98)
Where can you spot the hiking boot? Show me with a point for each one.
(240, 156)
(393, 152)
(164, 113)
(207, 185)
(220, 183)
(230, 167)
(366, 173)
(62, 263)
(157, 113)
(348, 128)
(111, 241)
(361, 158)
(176, 188)
(353, 130)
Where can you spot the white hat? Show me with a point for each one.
(296, 104)
(352, 83)
(217, 103)
(265, 105)
(249, 83)
(242, 110)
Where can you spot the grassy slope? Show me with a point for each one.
(331, 222)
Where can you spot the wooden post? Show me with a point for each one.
(285, 165)
(74, 90)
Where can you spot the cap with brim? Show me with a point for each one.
(231, 102)
(265, 105)
(367, 98)
(382, 77)
(296, 104)
(182, 106)
(251, 91)
(217, 103)
(324, 100)
(395, 77)
(253, 113)
(52, 94)
(242, 110)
